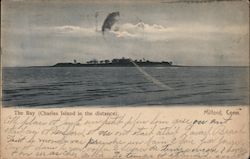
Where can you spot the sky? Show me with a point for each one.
(39, 33)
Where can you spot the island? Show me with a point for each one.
(122, 62)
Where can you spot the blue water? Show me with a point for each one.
(120, 86)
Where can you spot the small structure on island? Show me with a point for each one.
(94, 61)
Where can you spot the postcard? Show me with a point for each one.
(163, 79)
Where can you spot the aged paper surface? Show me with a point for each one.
(124, 79)
(173, 132)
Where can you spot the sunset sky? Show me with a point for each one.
(46, 32)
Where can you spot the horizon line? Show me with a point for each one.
(156, 66)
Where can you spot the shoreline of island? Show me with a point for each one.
(122, 62)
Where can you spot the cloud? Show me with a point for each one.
(146, 32)
(158, 32)
(141, 28)
(142, 31)
(67, 30)
(73, 29)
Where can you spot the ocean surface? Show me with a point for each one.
(120, 86)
